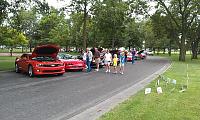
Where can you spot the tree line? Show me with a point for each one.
(103, 23)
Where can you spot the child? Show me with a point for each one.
(122, 62)
(115, 59)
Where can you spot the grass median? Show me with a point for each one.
(172, 104)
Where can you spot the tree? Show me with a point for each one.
(109, 18)
(82, 6)
(182, 13)
(3, 10)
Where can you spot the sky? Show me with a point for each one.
(62, 3)
(58, 3)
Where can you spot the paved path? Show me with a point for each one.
(62, 97)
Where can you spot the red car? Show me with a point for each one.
(138, 55)
(71, 63)
(42, 61)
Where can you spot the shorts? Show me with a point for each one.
(115, 64)
(121, 64)
(107, 62)
(97, 60)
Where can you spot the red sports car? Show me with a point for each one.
(138, 55)
(71, 63)
(42, 61)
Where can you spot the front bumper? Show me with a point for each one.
(49, 70)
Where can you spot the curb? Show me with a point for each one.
(98, 110)
(6, 71)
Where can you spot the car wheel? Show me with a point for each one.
(17, 68)
(30, 71)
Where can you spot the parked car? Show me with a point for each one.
(150, 53)
(71, 63)
(140, 55)
(43, 60)
(129, 57)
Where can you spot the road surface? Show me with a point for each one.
(49, 97)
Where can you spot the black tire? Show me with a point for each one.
(17, 70)
(30, 71)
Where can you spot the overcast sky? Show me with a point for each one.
(58, 3)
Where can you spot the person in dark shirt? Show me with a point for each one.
(133, 52)
(97, 58)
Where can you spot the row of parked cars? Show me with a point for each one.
(46, 59)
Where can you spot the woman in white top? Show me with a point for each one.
(107, 60)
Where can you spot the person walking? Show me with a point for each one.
(122, 62)
(107, 60)
(115, 59)
(133, 52)
(97, 58)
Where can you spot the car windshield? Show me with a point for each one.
(65, 56)
(43, 58)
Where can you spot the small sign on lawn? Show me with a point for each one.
(147, 91)
(159, 90)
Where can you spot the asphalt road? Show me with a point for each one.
(49, 97)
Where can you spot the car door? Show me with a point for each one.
(25, 63)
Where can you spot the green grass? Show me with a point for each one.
(7, 58)
(7, 63)
(171, 104)
(4, 66)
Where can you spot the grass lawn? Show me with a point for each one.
(4, 66)
(7, 58)
(7, 63)
(171, 104)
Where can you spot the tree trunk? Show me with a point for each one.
(194, 46)
(158, 50)
(84, 25)
(182, 48)
(113, 43)
(30, 46)
(170, 48)
(154, 50)
(22, 49)
(163, 50)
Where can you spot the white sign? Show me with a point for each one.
(159, 90)
(147, 91)
(174, 82)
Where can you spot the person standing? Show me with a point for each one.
(108, 59)
(115, 59)
(133, 52)
(88, 59)
(122, 62)
(97, 58)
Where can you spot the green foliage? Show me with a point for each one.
(12, 38)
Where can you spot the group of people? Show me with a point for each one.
(109, 60)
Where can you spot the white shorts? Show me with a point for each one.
(121, 64)
(107, 62)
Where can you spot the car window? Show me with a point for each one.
(43, 58)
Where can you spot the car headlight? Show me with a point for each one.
(39, 65)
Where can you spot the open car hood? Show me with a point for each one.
(141, 51)
(46, 50)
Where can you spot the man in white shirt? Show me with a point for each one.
(87, 57)
(107, 60)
